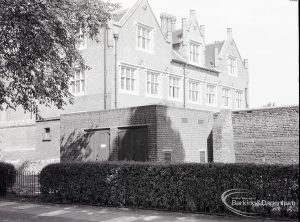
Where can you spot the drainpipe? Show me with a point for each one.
(116, 36)
(104, 65)
(184, 85)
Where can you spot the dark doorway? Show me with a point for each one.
(99, 145)
(133, 144)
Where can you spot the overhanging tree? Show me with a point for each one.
(38, 52)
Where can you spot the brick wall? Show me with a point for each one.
(182, 131)
(73, 141)
(269, 135)
(223, 144)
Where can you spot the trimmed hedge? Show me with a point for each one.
(7, 177)
(175, 187)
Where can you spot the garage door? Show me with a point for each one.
(133, 144)
(98, 145)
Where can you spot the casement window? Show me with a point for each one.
(78, 82)
(144, 37)
(167, 156)
(194, 91)
(82, 40)
(238, 99)
(174, 87)
(152, 83)
(211, 94)
(202, 156)
(128, 79)
(232, 66)
(194, 52)
(226, 97)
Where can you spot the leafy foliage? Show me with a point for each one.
(7, 177)
(176, 187)
(38, 50)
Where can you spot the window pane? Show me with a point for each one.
(127, 84)
(122, 82)
(83, 85)
(77, 86)
(77, 77)
(82, 74)
(73, 87)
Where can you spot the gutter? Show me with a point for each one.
(198, 67)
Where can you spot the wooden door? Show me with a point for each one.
(133, 144)
(99, 145)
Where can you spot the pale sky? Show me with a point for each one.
(266, 33)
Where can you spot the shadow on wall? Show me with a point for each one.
(139, 139)
(76, 146)
(151, 137)
(210, 147)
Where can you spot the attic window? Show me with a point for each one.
(144, 37)
(194, 52)
(232, 66)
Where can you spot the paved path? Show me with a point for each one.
(12, 211)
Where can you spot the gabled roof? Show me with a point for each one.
(176, 56)
(176, 36)
(210, 52)
(119, 15)
(123, 15)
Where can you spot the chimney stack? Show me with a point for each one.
(168, 24)
(229, 31)
(184, 37)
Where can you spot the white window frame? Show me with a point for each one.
(148, 38)
(208, 95)
(239, 99)
(82, 40)
(194, 91)
(232, 66)
(131, 79)
(153, 82)
(172, 87)
(226, 94)
(82, 83)
(194, 52)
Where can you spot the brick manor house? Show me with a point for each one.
(151, 94)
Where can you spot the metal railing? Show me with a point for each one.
(27, 184)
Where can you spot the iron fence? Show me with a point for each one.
(27, 184)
